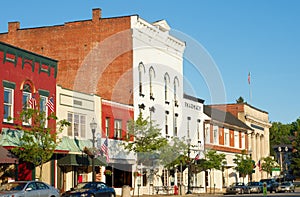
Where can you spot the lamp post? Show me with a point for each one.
(93, 125)
(189, 166)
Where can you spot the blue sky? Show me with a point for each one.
(241, 36)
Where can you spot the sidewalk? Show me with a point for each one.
(186, 195)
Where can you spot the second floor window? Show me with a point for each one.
(207, 134)
(216, 134)
(107, 121)
(118, 129)
(226, 137)
(236, 139)
(78, 125)
(8, 103)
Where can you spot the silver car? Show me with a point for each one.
(28, 189)
(286, 187)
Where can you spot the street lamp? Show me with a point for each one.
(189, 167)
(93, 125)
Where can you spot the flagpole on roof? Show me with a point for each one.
(249, 82)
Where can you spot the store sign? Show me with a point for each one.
(192, 106)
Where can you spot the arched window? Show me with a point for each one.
(176, 85)
(167, 81)
(141, 72)
(28, 98)
(151, 77)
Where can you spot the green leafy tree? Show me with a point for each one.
(244, 164)
(279, 134)
(147, 143)
(213, 160)
(38, 142)
(268, 163)
(240, 100)
(295, 163)
(173, 153)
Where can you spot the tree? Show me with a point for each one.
(244, 164)
(268, 163)
(147, 142)
(172, 154)
(38, 142)
(213, 160)
(240, 100)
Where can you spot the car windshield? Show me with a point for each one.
(85, 186)
(286, 183)
(14, 186)
(239, 184)
(253, 183)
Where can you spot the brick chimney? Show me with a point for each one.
(96, 14)
(13, 26)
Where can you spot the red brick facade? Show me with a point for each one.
(20, 69)
(114, 112)
(82, 66)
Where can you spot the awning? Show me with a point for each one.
(7, 157)
(78, 160)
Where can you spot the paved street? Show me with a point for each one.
(297, 193)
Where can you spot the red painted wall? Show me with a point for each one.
(115, 112)
(19, 74)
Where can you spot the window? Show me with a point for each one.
(8, 104)
(226, 137)
(167, 80)
(82, 126)
(151, 76)
(176, 125)
(141, 69)
(25, 100)
(43, 101)
(77, 127)
(207, 134)
(70, 128)
(127, 130)
(243, 141)
(176, 84)
(236, 139)
(43, 107)
(166, 123)
(198, 129)
(216, 134)
(188, 127)
(107, 121)
(118, 129)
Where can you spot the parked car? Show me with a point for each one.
(237, 188)
(255, 187)
(272, 184)
(28, 189)
(90, 189)
(286, 187)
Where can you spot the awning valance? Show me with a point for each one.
(7, 157)
(78, 160)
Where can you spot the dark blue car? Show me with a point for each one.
(90, 189)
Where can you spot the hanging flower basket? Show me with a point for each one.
(136, 173)
(107, 172)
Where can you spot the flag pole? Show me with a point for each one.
(249, 82)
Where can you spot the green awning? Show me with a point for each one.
(78, 160)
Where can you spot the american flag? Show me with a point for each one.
(32, 102)
(50, 104)
(104, 149)
(197, 157)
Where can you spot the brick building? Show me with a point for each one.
(226, 134)
(24, 76)
(258, 138)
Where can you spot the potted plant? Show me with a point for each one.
(107, 172)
